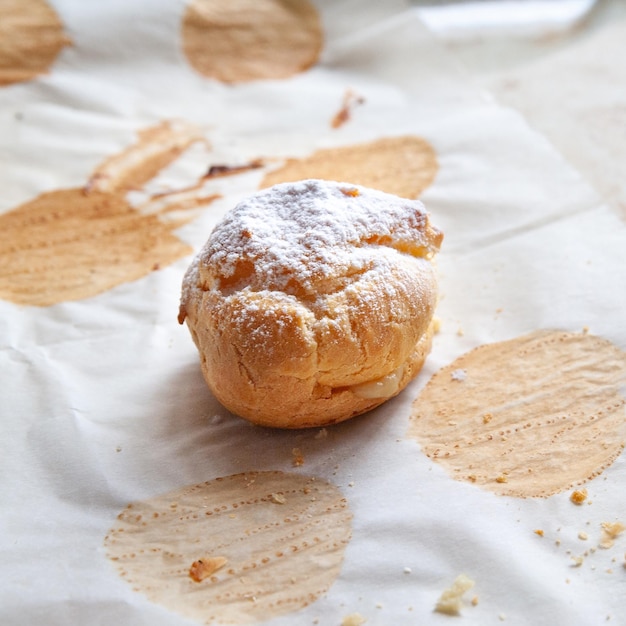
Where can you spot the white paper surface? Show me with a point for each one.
(102, 401)
(583, 112)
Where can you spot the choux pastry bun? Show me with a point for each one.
(312, 302)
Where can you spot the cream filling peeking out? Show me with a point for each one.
(384, 387)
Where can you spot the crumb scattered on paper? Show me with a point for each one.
(451, 599)
(205, 567)
(350, 101)
(610, 532)
(297, 457)
(578, 496)
(354, 619)
(458, 375)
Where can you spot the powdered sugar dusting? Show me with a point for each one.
(459, 375)
(299, 237)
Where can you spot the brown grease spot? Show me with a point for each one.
(555, 395)
(256, 586)
(404, 166)
(31, 38)
(244, 40)
(71, 244)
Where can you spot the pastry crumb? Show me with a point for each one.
(539, 532)
(354, 619)
(583, 536)
(353, 192)
(578, 561)
(203, 568)
(278, 498)
(459, 375)
(578, 496)
(350, 101)
(610, 532)
(298, 458)
(450, 600)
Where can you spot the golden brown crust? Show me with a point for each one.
(276, 381)
(290, 360)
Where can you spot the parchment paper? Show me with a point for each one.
(102, 401)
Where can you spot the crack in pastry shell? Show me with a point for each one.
(304, 293)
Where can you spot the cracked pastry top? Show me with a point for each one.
(312, 302)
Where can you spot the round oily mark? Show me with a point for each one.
(234, 550)
(528, 417)
(31, 37)
(404, 166)
(245, 40)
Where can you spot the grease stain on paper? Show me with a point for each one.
(404, 166)
(246, 40)
(532, 417)
(273, 543)
(31, 38)
(75, 243)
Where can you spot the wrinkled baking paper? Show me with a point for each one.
(102, 402)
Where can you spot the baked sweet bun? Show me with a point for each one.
(312, 302)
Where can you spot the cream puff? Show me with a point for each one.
(313, 302)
